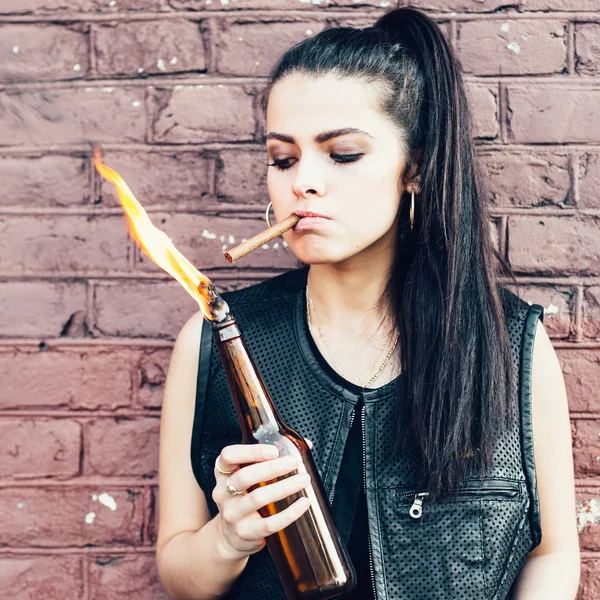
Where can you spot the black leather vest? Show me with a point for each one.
(467, 546)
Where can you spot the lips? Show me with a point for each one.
(308, 214)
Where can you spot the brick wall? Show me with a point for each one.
(170, 89)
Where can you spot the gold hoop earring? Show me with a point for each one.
(412, 210)
(267, 214)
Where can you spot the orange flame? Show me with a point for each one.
(156, 244)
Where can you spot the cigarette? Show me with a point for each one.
(261, 238)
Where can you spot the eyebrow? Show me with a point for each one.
(319, 138)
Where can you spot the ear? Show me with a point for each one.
(412, 174)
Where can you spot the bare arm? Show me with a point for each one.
(199, 558)
(551, 571)
(191, 560)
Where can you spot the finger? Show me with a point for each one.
(233, 456)
(267, 494)
(264, 471)
(257, 528)
(310, 444)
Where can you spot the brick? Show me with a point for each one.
(553, 114)
(221, 5)
(49, 181)
(73, 378)
(151, 376)
(157, 47)
(526, 179)
(483, 103)
(558, 303)
(589, 180)
(197, 114)
(42, 53)
(461, 5)
(131, 577)
(587, 48)
(586, 447)
(39, 309)
(581, 370)
(512, 47)
(566, 5)
(116, 447)
(56, 517)
(39, 447)
(72, 116)
(589, 582)
(42, 244)
(203, 240)
(588, 520)
(554, 245)
(242, 177)
(72, 6)
(35, 577)
(167, 179)
(142, 309)
(252, 49)
(591, 312)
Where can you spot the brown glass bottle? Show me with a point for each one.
(309, 555)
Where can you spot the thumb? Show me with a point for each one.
(310, 444)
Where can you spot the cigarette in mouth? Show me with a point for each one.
(261, 238)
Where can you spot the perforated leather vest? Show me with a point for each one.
(470, 545)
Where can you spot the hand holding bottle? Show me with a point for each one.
(242, 527)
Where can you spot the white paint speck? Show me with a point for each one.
(304, 1)
(219, 85)
(505, 26)
(257, 63)
(140, 69)
(107, 500)
(224, 2)
(231, 239)
(551, 309)
(173, 60)
(21, 504)
(160, 65)
(89, 518)
(316, 1)
(208, 235)
(524, 37)
(209, 2)
(15, 49)
(514, 47)
(222, 239)
(136, 104)
(275, 246)
(108, 90)
(244, 240)
(308, 32)
(240, 39)
(384, 4)
(588, 513)
(265, 246)
(284, 244)
(94, 497)
(77, 67)
(224, 247)
(112, 3)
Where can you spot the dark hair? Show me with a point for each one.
(456, 392)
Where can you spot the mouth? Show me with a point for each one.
(309, 220)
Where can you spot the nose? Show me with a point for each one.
(308, 181)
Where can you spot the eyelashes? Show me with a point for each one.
(338, 159)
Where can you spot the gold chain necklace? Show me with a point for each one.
(381, 367)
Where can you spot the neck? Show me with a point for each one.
(348, 295)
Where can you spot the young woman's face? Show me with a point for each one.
(336, 156)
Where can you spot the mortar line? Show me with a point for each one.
(570, 48)
(579, 313)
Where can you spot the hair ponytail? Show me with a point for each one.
(456, 397)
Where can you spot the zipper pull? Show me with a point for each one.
(416, 510)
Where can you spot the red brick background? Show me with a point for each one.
(170, 88)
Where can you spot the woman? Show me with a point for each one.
(395, 351)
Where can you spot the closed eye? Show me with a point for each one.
(339, 159)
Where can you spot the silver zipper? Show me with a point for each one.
(416, 509)
(364, 408)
